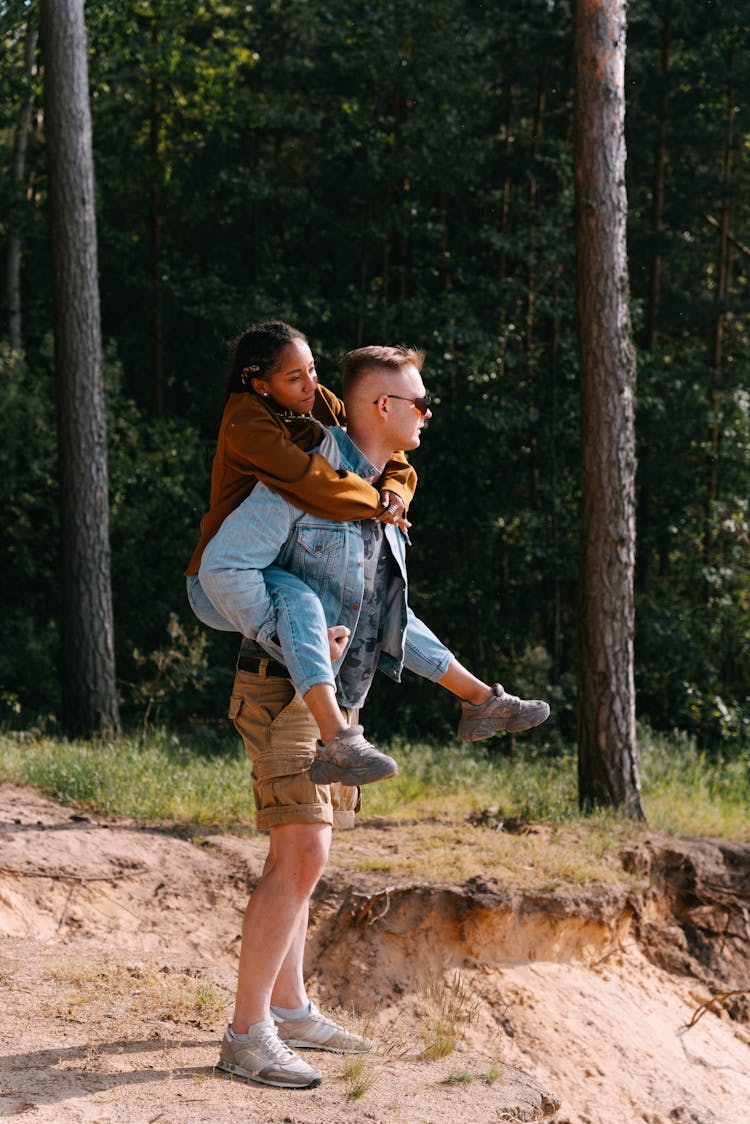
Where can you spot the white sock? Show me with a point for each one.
(293, 1013)
(245, 1037)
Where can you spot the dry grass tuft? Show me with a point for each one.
(142, 992)
(446, 1006)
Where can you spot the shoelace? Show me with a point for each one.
(270, 1041)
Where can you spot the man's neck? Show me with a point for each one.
(368, 444)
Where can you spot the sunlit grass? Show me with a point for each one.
(446, 1008)
(685, 793)
(164, 782)
(137, 991)
(189, 783)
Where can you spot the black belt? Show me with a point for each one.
(255, 664)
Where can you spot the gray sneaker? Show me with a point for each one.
(500, 711)
(317, 1032)
(350, 759)
(265, 1059)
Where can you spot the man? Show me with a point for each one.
(358, 572)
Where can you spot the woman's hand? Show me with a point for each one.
(393, 511)
(338, 636)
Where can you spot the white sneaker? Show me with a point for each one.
(264, 1058)
(317, 1032)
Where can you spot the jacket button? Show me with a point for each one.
(318, 549)
(355, 605)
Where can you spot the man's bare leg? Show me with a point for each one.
(276, 916)
(289, 991)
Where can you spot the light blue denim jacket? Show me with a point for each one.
(260, 566)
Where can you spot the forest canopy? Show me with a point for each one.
(396, 172)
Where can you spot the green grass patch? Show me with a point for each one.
(165, 782)
(687, 793)
(195, 781)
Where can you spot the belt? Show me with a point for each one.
(256, 665)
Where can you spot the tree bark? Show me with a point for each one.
(88, 670)
(18, 173)
(608, 768)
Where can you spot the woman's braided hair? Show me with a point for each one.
(256, 351)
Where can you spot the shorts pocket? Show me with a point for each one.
(284, 763)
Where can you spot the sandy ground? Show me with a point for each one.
(117, 961)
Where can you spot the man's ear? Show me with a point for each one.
(381, 405)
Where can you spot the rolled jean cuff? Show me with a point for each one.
(304, 684)
(432, 668)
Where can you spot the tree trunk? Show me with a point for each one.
(88, 669)
(18, 173)
(608, 769)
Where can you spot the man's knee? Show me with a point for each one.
(302, 852)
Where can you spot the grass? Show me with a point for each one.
(190, 785)
(446, 1006)
(135, 992)
(167, 782)
(359, 1075)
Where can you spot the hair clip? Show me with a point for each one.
(247, 373)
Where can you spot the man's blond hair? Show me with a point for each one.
(364, 360)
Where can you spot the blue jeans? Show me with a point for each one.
(302, 633)
(301, 629)
(281, 577)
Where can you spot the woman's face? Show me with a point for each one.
(292, 384)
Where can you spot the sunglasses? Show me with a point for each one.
(421, 404)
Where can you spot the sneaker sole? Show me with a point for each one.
(325, 772)
(296, 1044)
(238, 1071)
(515, 725)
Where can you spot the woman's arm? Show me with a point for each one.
(259, 443)
(399, 478)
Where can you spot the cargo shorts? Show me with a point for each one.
(279, 734)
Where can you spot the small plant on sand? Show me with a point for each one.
(208, 1003)
(359, 1075)
(494, 1073)
(448, 1005)
(459, 1079)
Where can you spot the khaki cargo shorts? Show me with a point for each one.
(279, 734)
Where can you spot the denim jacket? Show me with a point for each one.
(267, 553)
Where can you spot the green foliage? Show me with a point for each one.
(29, 566)
(175, 666)
(402, 172)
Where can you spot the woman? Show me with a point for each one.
(275, 414)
